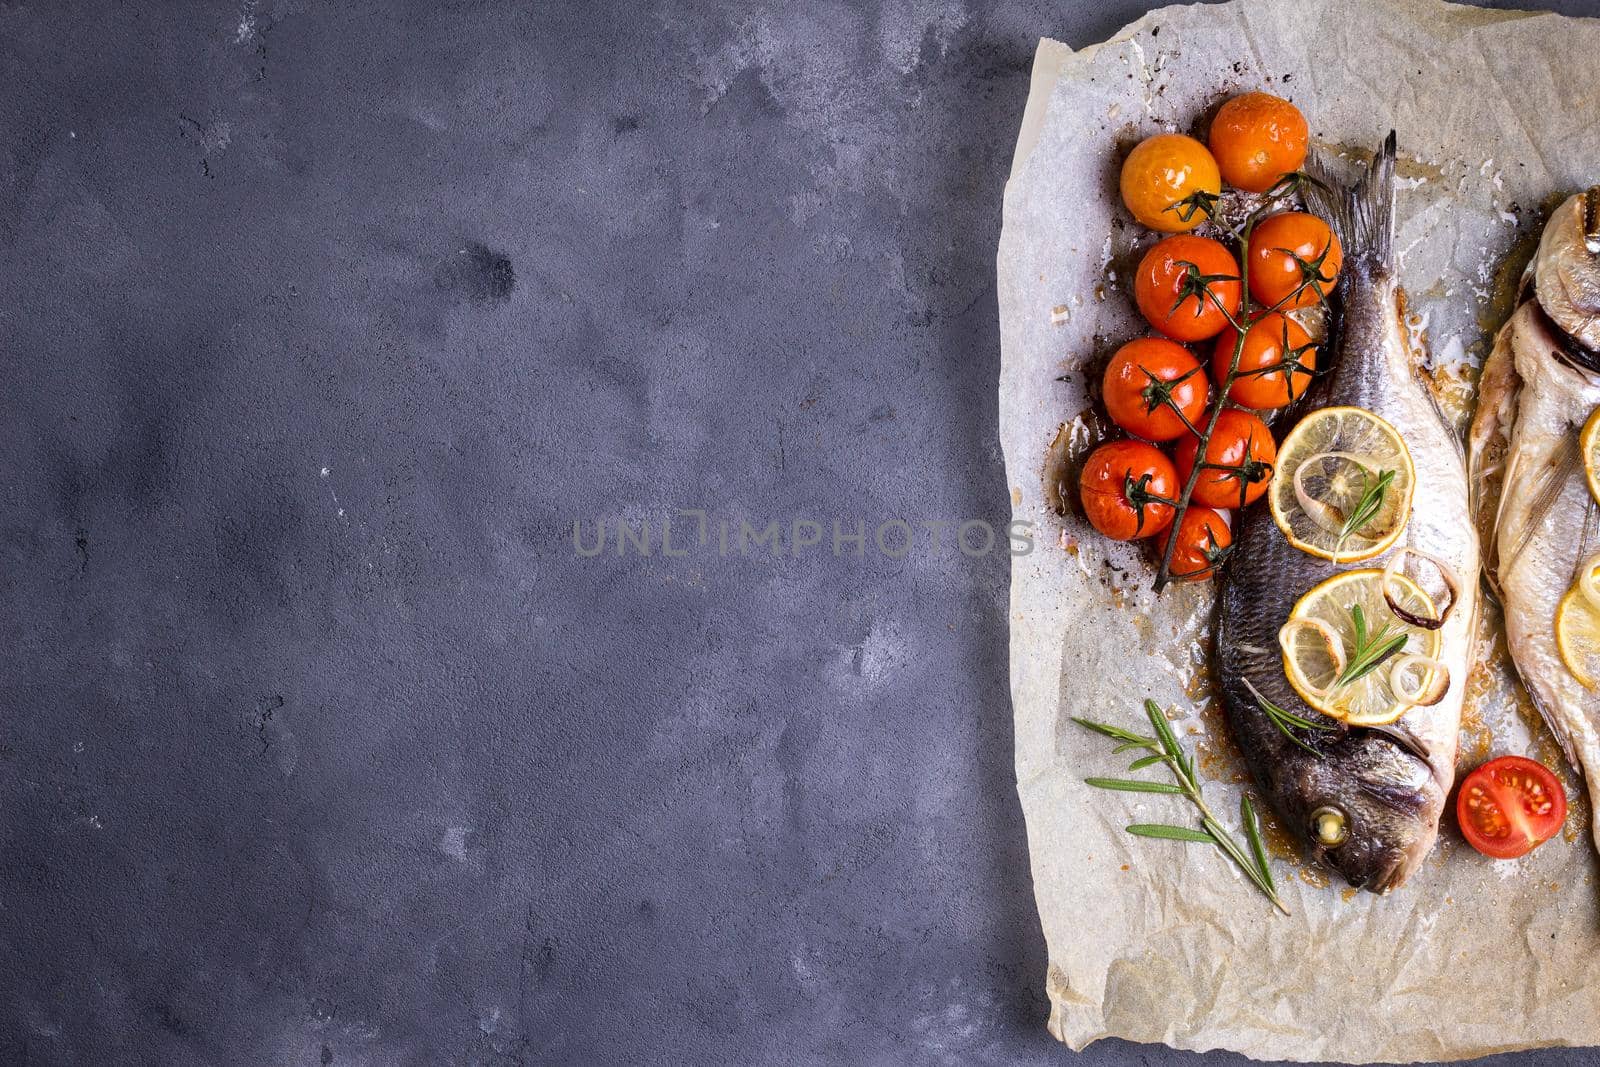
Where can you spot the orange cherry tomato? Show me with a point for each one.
(1204, 539)
(1510, 806)
(1294, 260)
(1239, 459)
(1257, 138)
(1120, 484)
(1155, 389)
(1182, 285)
(1170, 182)
(1275, 363)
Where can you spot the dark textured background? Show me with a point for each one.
(320, 324)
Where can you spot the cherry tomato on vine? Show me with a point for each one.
(1510, 806)
(1257, 138)
(1294, 260)
(1170, 182)
(1204, 538)
(1119, 487)
(1183, 284)
(1239, 460)
(1275, 363)
(1155, 389)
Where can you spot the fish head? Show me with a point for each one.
(1566, 269)
(1369, 809)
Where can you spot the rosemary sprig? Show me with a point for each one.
(1252, 831)
(1170, 833)
(1371, 648)
(1164, 749)
(1284, 719)
(1128, 785)
(1367, 507)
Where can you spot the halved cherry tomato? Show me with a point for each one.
(1125, 488)
(1183, 284)
(1204, 538)
(1170, 182)
(1257, 138)
(1294, 260)
(1509, 806)
(1155, 389)
(1275, 363)
(1239, 459)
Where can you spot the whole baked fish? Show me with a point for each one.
(1531, 499)
(1366, 801)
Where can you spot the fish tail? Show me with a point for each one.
(1361, 215)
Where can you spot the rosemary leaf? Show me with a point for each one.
(1370, 663)
(1169, 742)
(1145, 761)
(1367, 507)
(1371, 649)
(1284, 719)
(1169, 833)
(1129, 785)
(1289, 718)
(1252, 830)
(1114, 732)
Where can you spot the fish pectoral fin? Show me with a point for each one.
(1549, 480)
(1489, 447)
(1554, 724)
(1401, 735)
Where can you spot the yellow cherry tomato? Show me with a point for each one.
(1170, 182)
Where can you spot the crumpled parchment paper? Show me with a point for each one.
(1498, 115)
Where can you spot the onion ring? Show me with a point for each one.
(1452, 582)
(1589, 581)
(1325, 515)
(1330, 639)
(1434, 680)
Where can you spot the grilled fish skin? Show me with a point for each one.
(1531, 498)
(1388, 783)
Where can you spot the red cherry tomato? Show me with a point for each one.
(1275, 363)
(1155, 389)
(1239, 460)
(1182, 285)
(1257, 138)
(1293, 258)
(1204, 538)
(1119, 483)
(1509, 806)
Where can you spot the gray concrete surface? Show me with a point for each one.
(321, 324)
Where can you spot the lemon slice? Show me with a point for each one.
(1589, 448)
(1320, 641)
(1325, 466)
(1578, 626)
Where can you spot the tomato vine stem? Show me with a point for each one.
(1311, 277)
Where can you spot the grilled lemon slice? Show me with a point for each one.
(1578, 625)
(1332, 623)
(1589, 448)
(1327, 466)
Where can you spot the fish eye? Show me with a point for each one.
(1329, 826)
